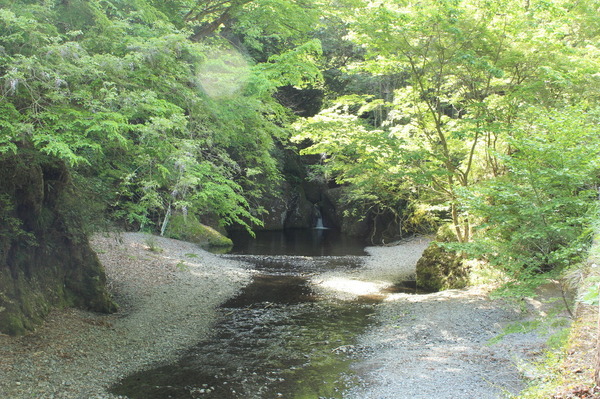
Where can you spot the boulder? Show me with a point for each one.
(440, 268)
(188, 228)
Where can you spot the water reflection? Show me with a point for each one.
(266, 346)
(277, 338)
(303, 242)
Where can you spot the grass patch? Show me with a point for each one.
(152, 244)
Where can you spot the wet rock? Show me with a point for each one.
(287, 208)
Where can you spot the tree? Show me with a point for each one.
(444, 118)
(139, 117)
(468, 70)
(534, 220)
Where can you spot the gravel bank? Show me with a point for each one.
(432, 346)
(438, 345)
(167, 301)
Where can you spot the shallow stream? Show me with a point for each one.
(278, 337)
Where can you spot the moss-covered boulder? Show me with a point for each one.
(188, 228)
(439, 268)
(45, 257)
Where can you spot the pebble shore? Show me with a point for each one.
(168, 292)
(444, 345)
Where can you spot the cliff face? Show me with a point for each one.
(45, 257)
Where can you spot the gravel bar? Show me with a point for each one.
(168, 292)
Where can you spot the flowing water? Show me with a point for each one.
(277, 337)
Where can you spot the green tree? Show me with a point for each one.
(443, 119)
(466, 72)
(150, 120)
(535, 220)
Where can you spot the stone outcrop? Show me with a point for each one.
(290, 210)
(439, 268)
(335, 215)
(45, 257)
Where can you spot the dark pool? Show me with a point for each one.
(303, 242)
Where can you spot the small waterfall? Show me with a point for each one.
(319, 222)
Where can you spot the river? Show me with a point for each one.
(280, 336)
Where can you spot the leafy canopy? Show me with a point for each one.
(488, 109)
(152, 120)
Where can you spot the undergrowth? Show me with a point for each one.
(567, 368)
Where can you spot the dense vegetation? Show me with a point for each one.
(482, 114)
(487, 111)
(152, 116)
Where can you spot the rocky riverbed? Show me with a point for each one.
(422, 346)
(167, 291)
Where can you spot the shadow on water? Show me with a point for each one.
(299, 265)
(302, 242)
(269, 289)
(276, 338)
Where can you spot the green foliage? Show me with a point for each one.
(520, 327)
(262, 27)
(439, 124)
(152, 244)
(295, 67)
(11, 226)
(155, 120)
(592, 295)
(367, 160)
(536, 218)
(182, 266)
(486, 108)
(484, 111)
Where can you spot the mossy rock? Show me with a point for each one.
(45, 257)
(188, 228)
(439, 268)
(12, 324)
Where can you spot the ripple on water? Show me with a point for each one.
(275, 350)
(277, 337)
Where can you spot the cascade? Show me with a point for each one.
(319, 223)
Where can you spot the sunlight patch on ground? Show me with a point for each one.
(353, 287)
